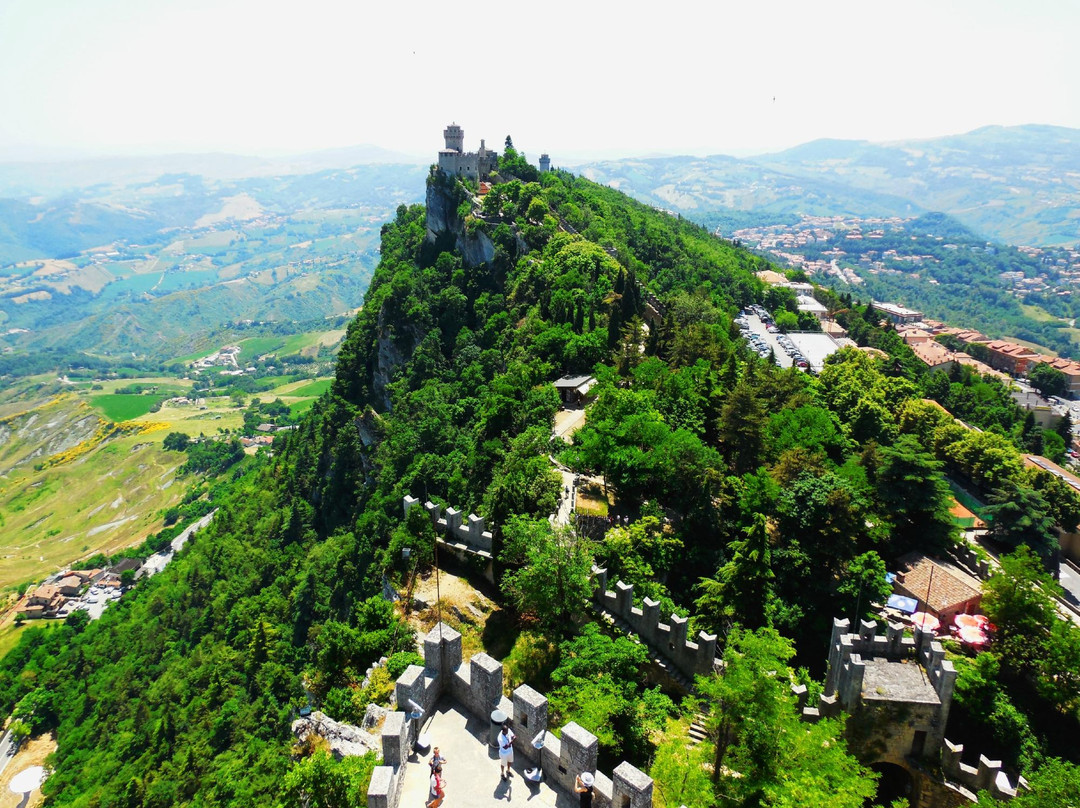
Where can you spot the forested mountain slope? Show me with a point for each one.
(763, 501)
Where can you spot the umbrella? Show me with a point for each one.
(925, 621)
(966, 621)
(982, 620)
(27, 780)
(972, 635)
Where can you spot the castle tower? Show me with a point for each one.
(455, 137)
(545, 164)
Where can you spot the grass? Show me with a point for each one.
(10, 635)
(591, 501)
(119, 407)
(316, 388)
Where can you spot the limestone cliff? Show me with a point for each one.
(444, 223)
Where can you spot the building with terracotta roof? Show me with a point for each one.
(1070, 368)
(1011, 357)
(940, 588)
(933, 354)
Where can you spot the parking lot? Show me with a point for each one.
(755, 324)
(94, 601)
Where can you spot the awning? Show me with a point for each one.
(902, 603)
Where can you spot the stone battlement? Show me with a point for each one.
(478, 686)
(898, 691)
(691, 658)
(468, 535)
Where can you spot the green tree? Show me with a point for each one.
(916, 498)
(176, 441)
(1019, 599)
(763, 753)
(1019, 515)
(1055, 784)
(551, 570)
(320, 781)
(1049, 381)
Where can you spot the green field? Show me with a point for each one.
(316, 388)
(124, 406)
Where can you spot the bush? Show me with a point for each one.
(396, 665)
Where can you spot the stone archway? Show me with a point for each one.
(894, 782)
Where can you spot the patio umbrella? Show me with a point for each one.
(966, 621)
(27, 780)
(924, 620)
(982, 620)
(972, 635)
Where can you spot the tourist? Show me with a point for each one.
(583, 785)
(437, 788)
(506, 751)
(436, 759)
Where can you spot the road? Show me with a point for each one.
(157, 562)
(5, 751)
(1069, 579)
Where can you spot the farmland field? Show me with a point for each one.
(120, 407)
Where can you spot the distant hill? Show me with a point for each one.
(1017, 185)
(151, 265)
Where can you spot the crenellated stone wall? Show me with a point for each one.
(478, 686)
(467, 534)
(689, 657)
(897, 692)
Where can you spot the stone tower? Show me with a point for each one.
(455, 137)
(545, 163)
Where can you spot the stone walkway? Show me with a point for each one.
(472, 768)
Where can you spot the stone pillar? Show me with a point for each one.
(867, 630)
(410, 686)
(599, 583)
(894, 633)
(530, 718)
(650, 618)
(395, 739)
(409, 502)
(624, 599)
(442, 650)
(487, 680)
(434, 511)
(381, 789)
(851, 687)
(799, 691)
(677, 638)
(630, 787)
(476, 529)
(988, 772)
(706, 654)
(453, 522)
(951, 755)
(577, 755)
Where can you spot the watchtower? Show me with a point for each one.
(455, 137)
(545, 163)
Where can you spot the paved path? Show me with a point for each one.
(565, 512)
(158, 561)
(5, 751)
(472, 768)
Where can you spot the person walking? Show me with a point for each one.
(583, 785)
(438, 790)
(436, 759)
(506, 751)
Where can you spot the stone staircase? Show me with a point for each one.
(697, 728)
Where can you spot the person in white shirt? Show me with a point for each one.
(506, 751)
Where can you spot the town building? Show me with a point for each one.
(457, 162)
(941, 589)
(809, 304)
(1011, 357)
(897, 314)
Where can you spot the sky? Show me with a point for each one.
(582, 79)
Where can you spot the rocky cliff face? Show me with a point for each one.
(443, 220)
(388, 360)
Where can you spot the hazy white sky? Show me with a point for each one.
(581, 78)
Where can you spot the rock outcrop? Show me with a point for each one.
(345, 740)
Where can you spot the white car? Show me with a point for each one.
(92, 599)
